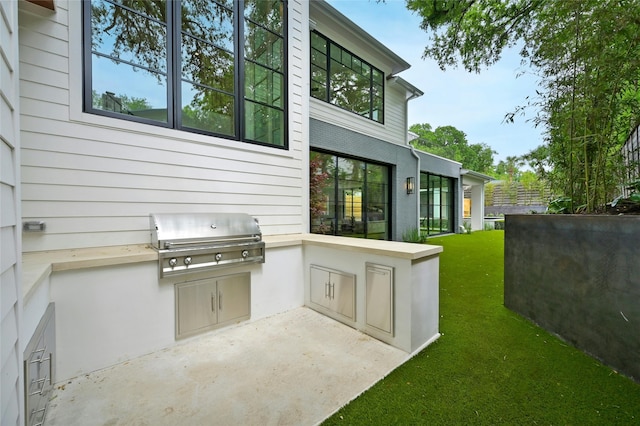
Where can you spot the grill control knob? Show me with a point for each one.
(187, 260)
(173, 262)
(245, 254)
(218, 257)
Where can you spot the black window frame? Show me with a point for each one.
(326, 96)
(336, 213)
(428, 220)
(174, 78)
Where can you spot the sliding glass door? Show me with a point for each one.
(436, 204)
(348, 197)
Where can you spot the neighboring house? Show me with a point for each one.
(631, 155)
(194, 116)
(474, 198)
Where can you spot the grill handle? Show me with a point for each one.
(170, 244)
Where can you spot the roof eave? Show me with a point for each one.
(476, 175)
(321, 6)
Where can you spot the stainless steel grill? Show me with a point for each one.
(194, 242)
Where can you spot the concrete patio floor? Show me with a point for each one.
(295, 368)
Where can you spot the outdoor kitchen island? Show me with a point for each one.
(111, 307)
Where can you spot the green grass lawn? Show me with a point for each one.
(492, 366)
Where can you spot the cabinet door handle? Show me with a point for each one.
(213, 302)
(333, 290)
(326, 290)
(220, 301)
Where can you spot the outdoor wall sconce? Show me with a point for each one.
(411, 183)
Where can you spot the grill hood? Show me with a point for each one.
(173, 230)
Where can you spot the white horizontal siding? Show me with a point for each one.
(44, 59)
(67, 210)
(50, 33)
(56, 98)
(95, 180)
(11, 400)
(395, 110)
(393, 130)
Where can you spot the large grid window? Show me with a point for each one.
(348, 197)
(343, 79)
(215, 67)
(436, 204)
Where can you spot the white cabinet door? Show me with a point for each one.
(234, 301)
(210, 303)
(379, 298)
(320, 287)
(334, 292)
(343, 294)
(196, 306)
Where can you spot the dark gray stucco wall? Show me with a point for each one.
(403, 164)
(578, 276)
(439, 166)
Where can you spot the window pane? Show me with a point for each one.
(321, 192)
(125, 89)
(268, 13)
(319, 83)
(378, 78)
(207, 110)
(206, 64)
(126, 36)
(349, 90)
(263, 47)
(129, 60)
(335, 52)
(319, 67)
(318, 43)
(264, 124)
(356, 65)
(350, 187)
(263, 85)
(377, 113)
(319, 59)
(209, 21)
(377, 198)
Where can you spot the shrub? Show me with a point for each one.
(414, 235)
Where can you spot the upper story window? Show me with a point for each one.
(216, 67)
(343, 79)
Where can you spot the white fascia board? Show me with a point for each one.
(320, 8)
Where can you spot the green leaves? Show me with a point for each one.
(451, 143)
(587, 55)
(474, 32)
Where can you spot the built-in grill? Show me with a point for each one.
(194, 242)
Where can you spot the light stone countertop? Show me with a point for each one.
(37, 266)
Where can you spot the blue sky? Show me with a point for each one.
(473, 103)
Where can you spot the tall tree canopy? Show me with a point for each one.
(587, 56)
(451, 143)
